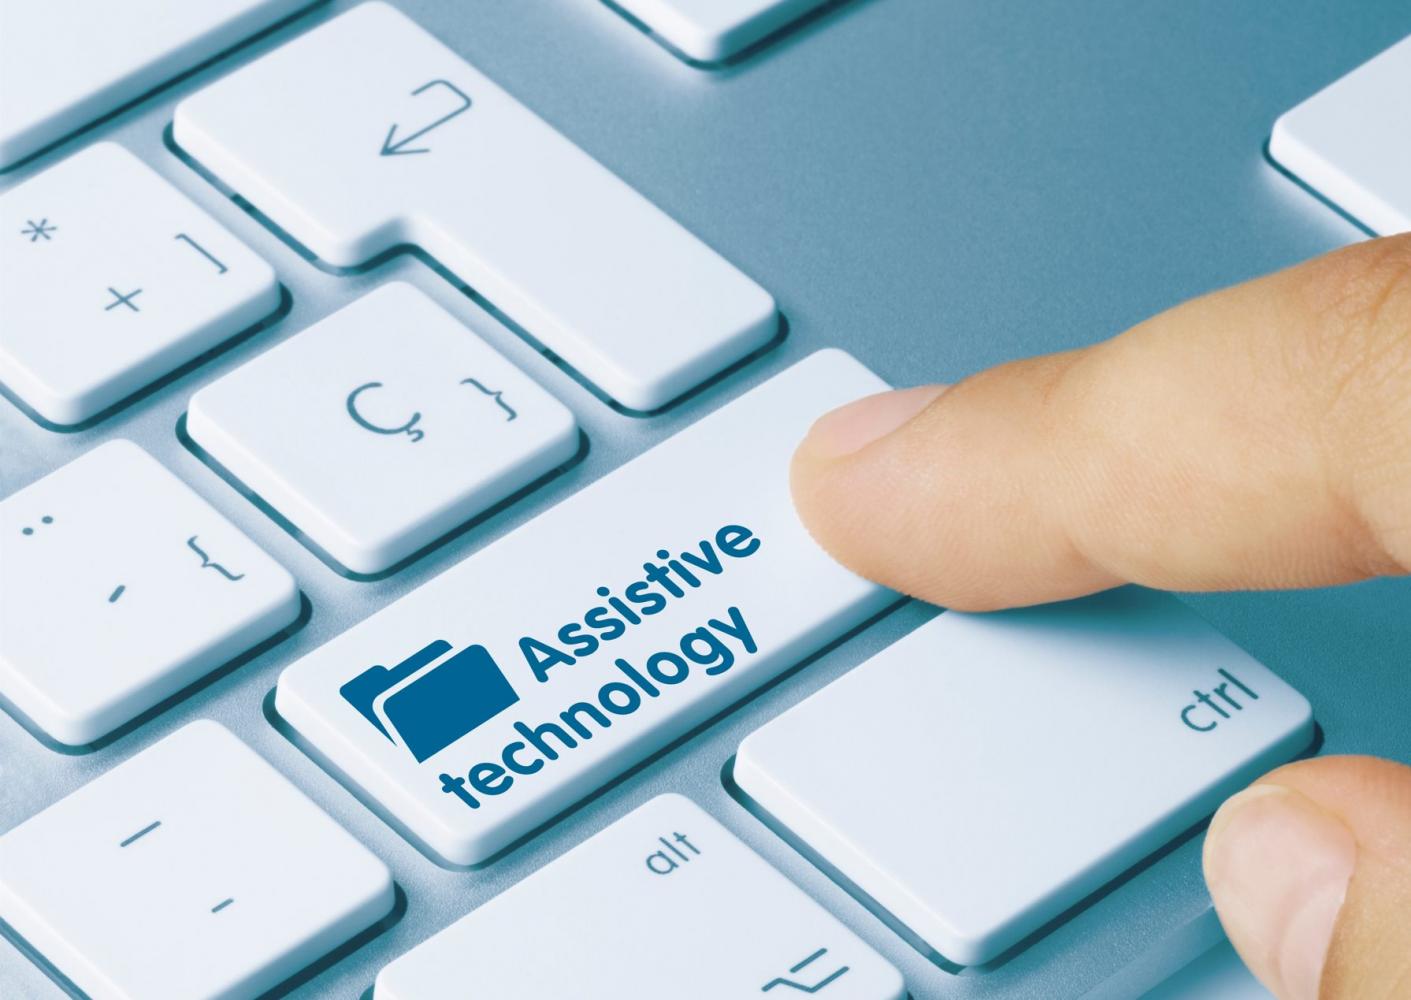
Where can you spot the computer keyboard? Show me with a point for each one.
(526, 680)
(110, 248)
(194, 869)
(714, 31)
(451, 425)
(649, 899)
(66, 63)
(1024, 712)
(374, 144)
(1349, 142)
(640, 630)
(121, 586)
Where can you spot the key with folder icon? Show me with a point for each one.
(426, 706)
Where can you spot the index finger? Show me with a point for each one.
(1257, 437)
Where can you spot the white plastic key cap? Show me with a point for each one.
(374, 134)
(110, 278)
(490, 699)
(64, 63)
(986, 772)
(1351, 141)
(714, 30)
(192, 871)
(407, 425)
(120, 586)
(666, 902)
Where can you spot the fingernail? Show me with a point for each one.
(1278, 867)
(859, 423)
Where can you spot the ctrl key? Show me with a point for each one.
(987, 772)
(664, 903)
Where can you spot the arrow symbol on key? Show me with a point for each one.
(392, 146)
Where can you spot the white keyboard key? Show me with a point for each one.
(120, 587)
(640, 906)
(408, 424)
(374, 134)
(987, 772)
(194, 870)
(710, 31)
(111, 278)
(592, 636)
(1351, 141)
(65, 63)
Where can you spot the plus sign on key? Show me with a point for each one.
(111, 279)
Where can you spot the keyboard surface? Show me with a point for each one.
(931, 187)
(1351, 141)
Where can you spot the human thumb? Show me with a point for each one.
(1310, 870)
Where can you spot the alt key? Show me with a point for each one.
(664, 903)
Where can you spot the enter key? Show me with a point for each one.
(986, 773)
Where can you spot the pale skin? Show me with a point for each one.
(1256, 437)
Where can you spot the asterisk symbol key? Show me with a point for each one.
(34, 230)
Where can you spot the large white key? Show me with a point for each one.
(666, 902)
(374, 134)
(710, 31)
(593, 635)
(110, 279)
(192, 871)
(64, 63)
(120, 587)
(987, 772)
(407, 425)
(1351, 141)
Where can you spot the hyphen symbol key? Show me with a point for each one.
(141, 833)
(127, 842)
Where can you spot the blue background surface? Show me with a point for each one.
(934, 185)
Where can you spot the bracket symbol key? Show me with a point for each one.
(496, 394)
(208, 563)
(203, 252)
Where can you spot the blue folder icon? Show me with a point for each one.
(436, 705)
